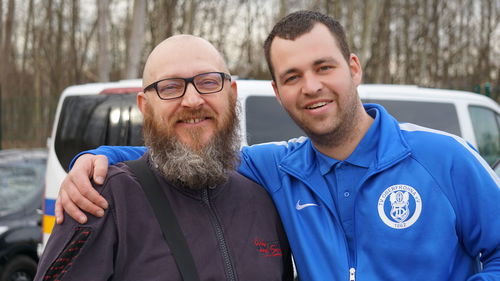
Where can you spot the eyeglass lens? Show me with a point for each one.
(204, 83)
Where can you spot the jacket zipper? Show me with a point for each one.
(350, 261)
(352, 269)
(228, 264)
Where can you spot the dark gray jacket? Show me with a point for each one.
(233, 231)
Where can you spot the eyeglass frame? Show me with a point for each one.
(154, 85)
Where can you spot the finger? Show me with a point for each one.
(78, 195)
(71, 209)
(100, 168)
(59, 210)
(84, 188)
(79, 176)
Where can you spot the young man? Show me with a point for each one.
(190, 128)
(363, 197)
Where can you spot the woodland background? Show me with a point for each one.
(47, 45)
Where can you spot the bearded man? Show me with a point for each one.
(190, 129)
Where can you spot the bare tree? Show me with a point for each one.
(190, 16)
(161, 22)
(1, 24)
(75, 19)
(27, 34)
(7, 67)
(283, 10)
(377, 65)
(103, 42)
(368, 18)
(8, 39)
(46, 45)
(136, 39)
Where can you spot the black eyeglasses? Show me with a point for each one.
(204, 83)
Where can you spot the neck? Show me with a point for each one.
(344, 148)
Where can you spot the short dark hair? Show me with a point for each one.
(299, 23)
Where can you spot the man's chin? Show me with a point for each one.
(195, 145)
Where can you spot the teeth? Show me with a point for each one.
(316, 105)
(192, 121)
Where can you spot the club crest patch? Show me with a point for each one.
(399, 206)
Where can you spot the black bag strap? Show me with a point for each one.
(166, 218)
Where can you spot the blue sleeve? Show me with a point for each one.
(477, 190)
(260, 164)
(114, 154)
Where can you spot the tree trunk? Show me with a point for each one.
(1, 28)
(408, 45)
(369, 12)
(7, 71)
(75, 19)
(27, 36)
(103, 35)
(283, 10)
(7, 65)
(136, 40)
(191, 14)
(378, 64)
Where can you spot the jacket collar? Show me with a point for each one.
(391, 148)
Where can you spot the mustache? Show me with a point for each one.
(186, 114)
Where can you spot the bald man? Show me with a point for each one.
(190, 130)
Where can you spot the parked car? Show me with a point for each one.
(97, 114)
(21, 187)
(496, 167)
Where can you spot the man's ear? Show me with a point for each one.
(355, 67)
(234, 89)
(276, 92)
(142, 100)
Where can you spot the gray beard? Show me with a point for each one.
(187, 168)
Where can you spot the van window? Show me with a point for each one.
(267, 121)
(89, 121)
(439, 116)
(486, 130)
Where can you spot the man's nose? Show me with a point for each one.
(312, 84)
(191, 97)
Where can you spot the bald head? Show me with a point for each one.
(182, 56)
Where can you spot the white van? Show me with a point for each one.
(97, 114)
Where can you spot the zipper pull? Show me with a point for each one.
(352, 274)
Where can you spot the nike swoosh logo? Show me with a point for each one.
(299, 206)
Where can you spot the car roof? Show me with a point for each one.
(416, 92)
(264, 88)
(8, 156)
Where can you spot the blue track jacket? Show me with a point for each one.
(428, 208)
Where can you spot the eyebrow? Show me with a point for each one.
(325, 59)
(315, 63)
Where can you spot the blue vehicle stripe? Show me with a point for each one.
(50, 207)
